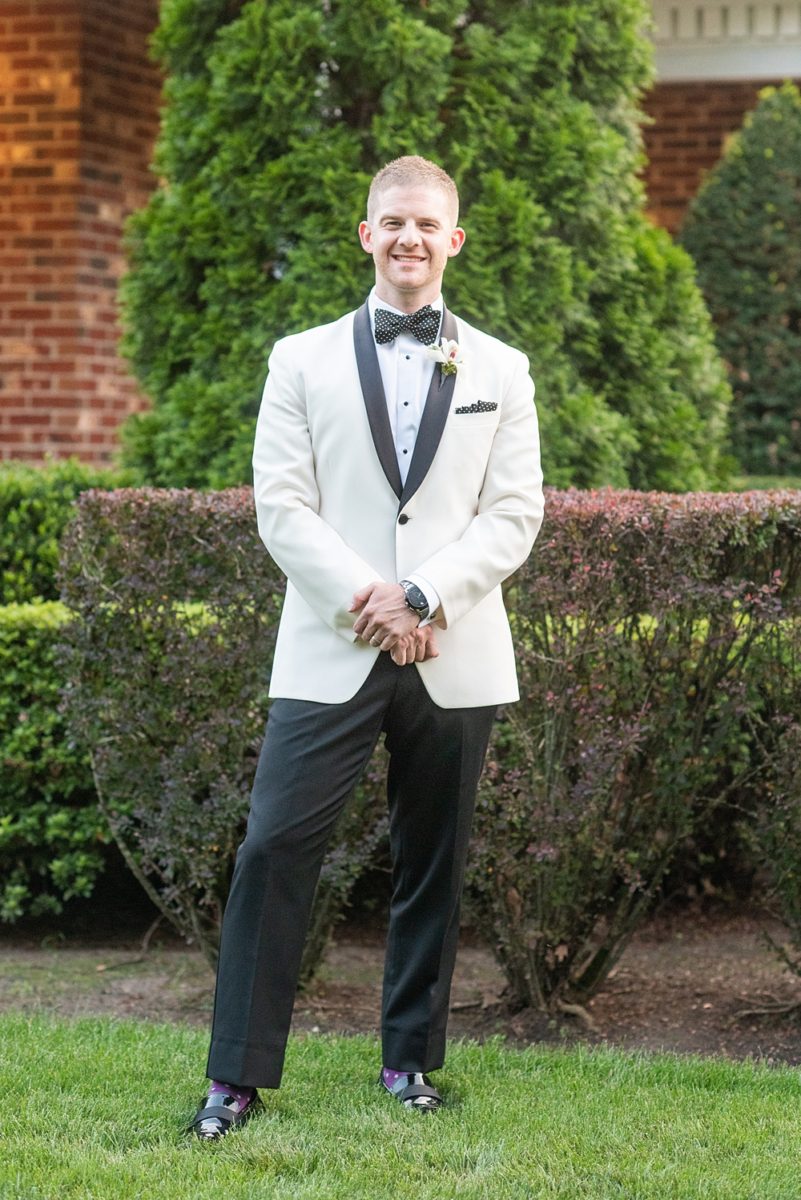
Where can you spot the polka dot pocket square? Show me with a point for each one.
(480, 406)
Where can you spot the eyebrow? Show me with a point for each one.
(395, 217)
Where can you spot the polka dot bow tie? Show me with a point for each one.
(424, 324)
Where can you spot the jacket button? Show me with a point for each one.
(402, 519)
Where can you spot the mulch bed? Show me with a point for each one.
(689, 982)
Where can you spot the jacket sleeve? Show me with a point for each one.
(509, 512)
(325, 571)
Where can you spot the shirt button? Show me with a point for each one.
(403, 519)
(406, 452)
(408, 356)
(406, 404)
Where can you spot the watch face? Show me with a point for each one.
(415, 598)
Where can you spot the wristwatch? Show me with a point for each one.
(415, 598)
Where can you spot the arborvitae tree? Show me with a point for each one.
(744, 231)
(278, 113)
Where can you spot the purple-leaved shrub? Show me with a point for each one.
(654, 635)
(637, 619)
(176, 604)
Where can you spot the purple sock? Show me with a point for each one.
(242, 1095)
(391, 1077)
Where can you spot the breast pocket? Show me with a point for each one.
(467, 420)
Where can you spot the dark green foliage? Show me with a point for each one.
(176, 605)
(51, 833)
(277, 116)
(35, 505)
(744, 231)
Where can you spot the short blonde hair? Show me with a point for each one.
(410, 170)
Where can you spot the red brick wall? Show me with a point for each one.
(78, 115)
(690, 122)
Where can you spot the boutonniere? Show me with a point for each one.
(448, 355)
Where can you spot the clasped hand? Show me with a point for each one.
(385, 620)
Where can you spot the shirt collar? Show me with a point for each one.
(373, 302)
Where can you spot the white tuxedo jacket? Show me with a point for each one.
(333, 514)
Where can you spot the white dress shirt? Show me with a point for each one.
(406, 371)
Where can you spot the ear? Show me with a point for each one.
(458, 236)
(366, 236)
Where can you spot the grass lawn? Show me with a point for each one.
(747, 483)
(93, 1109)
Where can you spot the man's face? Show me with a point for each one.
(411, 234)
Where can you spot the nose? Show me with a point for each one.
(410, 234)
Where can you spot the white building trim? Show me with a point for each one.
(707, 39)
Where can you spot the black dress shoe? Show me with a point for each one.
(414, 1091)
(218, 1115)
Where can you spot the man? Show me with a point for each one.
(397, 484)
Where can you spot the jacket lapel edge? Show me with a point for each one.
(374, 398)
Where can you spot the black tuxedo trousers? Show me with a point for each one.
(312, 757)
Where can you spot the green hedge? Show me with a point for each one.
(35, 505)
(51, 832)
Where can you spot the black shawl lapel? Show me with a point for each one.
(374, 398)
(437, 406)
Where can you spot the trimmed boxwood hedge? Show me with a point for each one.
(35, 505)
(51, 832)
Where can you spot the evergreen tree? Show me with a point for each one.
(744, 231)
(277, 114)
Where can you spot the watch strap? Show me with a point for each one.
(415, 598)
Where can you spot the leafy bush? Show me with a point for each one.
(176, 603)
(51, 833)
(35, 505)
(744, 231)
(647, 629)
(776, 840)
(276, 117)
(638, 620)
(50, 829)
(774, 832)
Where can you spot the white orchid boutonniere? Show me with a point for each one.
(448, 355)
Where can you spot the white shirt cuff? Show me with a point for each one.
(431, 595)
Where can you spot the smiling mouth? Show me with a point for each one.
(408, 258)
